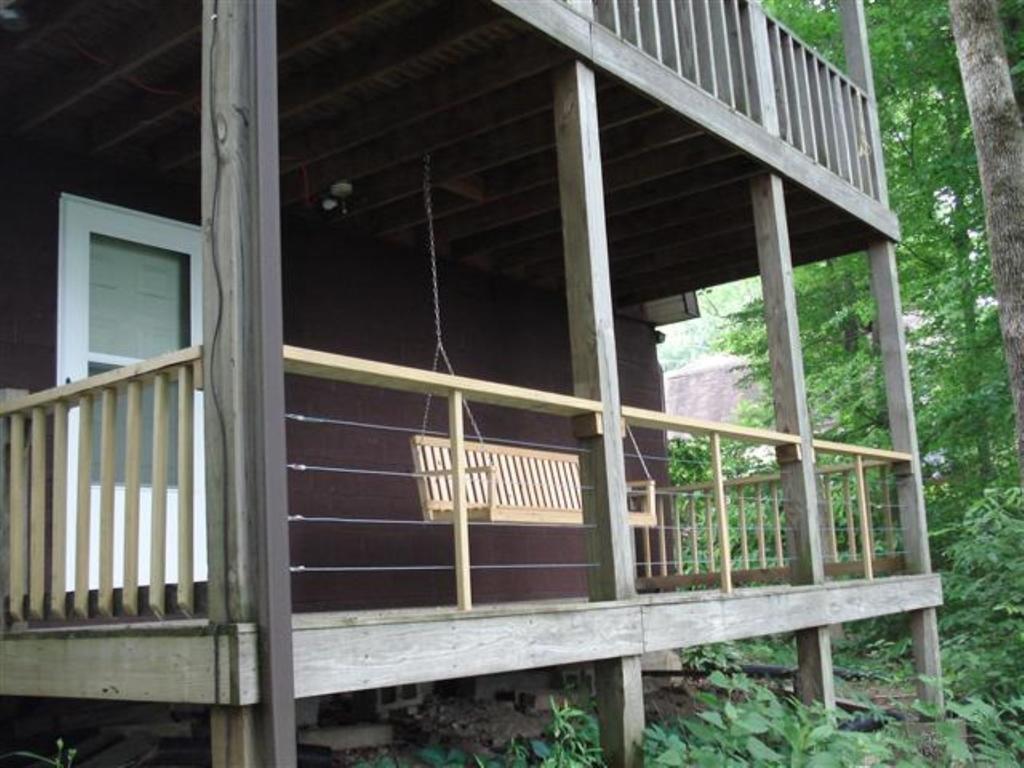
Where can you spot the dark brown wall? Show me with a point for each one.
(359, 299)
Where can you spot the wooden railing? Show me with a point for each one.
(821, 111)
(755, 507)
(40, 493)
(712, 44)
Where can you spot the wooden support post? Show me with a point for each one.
(186, 489)
(814, 678)
(460, 512)
(909, 490)
(595, 375)
(744, 543)
(246, 481)
(158, 514)
(722, 510)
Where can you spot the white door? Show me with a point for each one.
(129, 289)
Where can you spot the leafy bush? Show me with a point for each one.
(982, 623)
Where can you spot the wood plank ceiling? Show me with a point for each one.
(367, 87)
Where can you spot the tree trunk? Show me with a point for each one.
(999, 138)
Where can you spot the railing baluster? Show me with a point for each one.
(851, 531)
(638, 24)
(806, 86)
(694, 544)
(59, 512)
(722, 510)
(460, 513)
(158, 508)
(18, 529)
(83, 506)
(108, 459)
(890, 531)
(132, 486)
(831, 121)
(830, 520)
(744, 543)
(689, 17)
(706, 45)
(865, 519)
(817, 108)
(723, 56)
(607, 14)
(868, 165)
(37, 520)
(781, 86)
(645, 540)
(743, 86)
(662, 539)
(677, 522)
(709, 524)
(780, 558)
(186, 489)
(762, 554)
(673, 35)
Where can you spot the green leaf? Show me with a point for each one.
(761, 751)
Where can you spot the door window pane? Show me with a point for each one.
(138, 299)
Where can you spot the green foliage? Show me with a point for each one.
(982, 624)
(64, 757)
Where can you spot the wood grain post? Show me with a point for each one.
(108, 473)
(186, 489)
(132, 487)
(246, 482)
(158, 513)
(814, 649)
(59, 512)
(909, 490)
(865, 519)
(595, 376)
(37, 518)
(460, 511)
(83, 506)
(722, 513)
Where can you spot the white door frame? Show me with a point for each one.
(80, 218)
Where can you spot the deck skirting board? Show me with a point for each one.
(190, 662)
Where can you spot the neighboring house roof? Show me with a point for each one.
(710, 387)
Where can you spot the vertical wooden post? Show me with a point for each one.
(851, 530)
(865, 519)
(830, 519)
(158, 514)
(246, 482)
(37, 519)
(659, 506)
(108, 458)
(676, 518)
(595, 376)
(814, 678)
(186, 489)
(761, 83)
(59, 512)
(694, 542)
(83, 506)
(744, 542)
(132, 485)
(762, 553)
(909, 490)
(460, 513)
(7, 510)
(725, 576)
(890, 530)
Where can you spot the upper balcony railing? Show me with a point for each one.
(711, 44)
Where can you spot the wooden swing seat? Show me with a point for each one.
(510, 484)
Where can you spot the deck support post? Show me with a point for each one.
(799, 487)
(885, 287)
(595, 376)
(902, 425)
(246, 495)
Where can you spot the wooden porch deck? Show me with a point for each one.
(196, 662)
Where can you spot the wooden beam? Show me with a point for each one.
(595, 376)
(326, 19)
(246, 498)
(422, 645)
(130, 663)
(885, 288)
(368, 61)
(179, 24)
(814, 680)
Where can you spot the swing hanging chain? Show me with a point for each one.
(440, 353)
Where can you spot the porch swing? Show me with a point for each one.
(505, 483)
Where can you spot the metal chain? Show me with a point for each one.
(440, 353)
